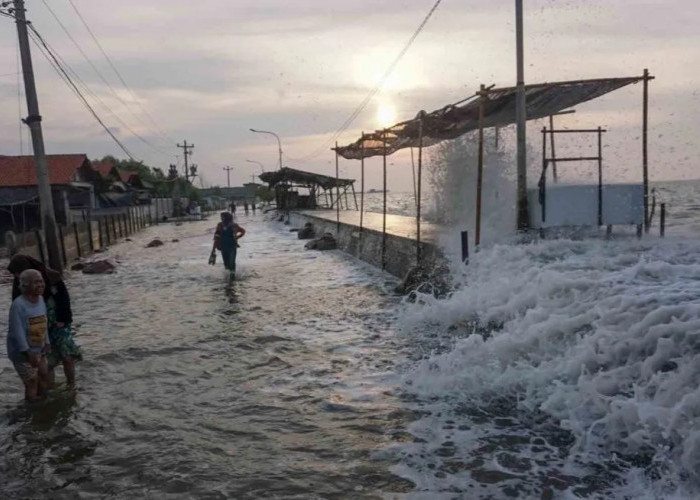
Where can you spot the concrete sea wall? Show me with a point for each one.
(366, 245)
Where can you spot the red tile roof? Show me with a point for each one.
(103, 167)
(21, 170)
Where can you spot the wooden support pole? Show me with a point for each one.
(645, 158)
(90, 235)
(543, 177)
(662, 220)
(554, 154)
(418, 187)
(384, 204)
(77, 239)
(354, 195)
(465, 246)
(362, 182)
(337, 189)
(600, 176)
(63, 244)
(480, 171)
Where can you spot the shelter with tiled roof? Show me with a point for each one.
(71, 177)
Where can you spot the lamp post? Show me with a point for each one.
(279, 143)
(262, 168)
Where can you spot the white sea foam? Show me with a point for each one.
(557, 359)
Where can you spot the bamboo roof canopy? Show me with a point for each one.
(302, 178)
(454, 120)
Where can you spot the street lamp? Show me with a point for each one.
(262, 168)
(279, 143)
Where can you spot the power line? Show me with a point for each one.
(55, 63)
(114, 92)
(116, 72)
(372, 92)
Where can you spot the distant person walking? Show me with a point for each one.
(27, 339)
(232, 207)
(64, 350)
(253, 207)
(245, 207)
(226, 241)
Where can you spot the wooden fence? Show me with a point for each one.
(80, 239)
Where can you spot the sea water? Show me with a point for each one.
(565, 368)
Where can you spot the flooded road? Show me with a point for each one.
(280, 386)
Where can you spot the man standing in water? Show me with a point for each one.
(27, 339)
(225, 239)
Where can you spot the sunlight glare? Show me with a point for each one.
(386, 114)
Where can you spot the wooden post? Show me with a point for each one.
(465, 247)
(114, 228)
(662, 220)
(63, 244)
(362, 182)
(554, 154)
(384, 205)
(354, 195)
(417, 186)
(90, 235)
(543, 177)
(480, 171)
(337, 191)
(645, 130)
(77, 239)
(600, 176)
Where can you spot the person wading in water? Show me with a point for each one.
(27, 339)
(64, 350)
(225, 240)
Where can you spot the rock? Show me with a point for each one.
(174, 240)
(325, 242)
(78, 266)
(294, 230)
(129, 239)
(433, 280)
(307, 232)
(99, 267)
(155, 243)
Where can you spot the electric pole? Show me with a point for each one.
(228, 175)
(186, 147)
(33, 121)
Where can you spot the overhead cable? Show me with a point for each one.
(119, 76)
(372, 92)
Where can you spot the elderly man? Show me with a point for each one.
(27, 339)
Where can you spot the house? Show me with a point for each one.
(71, 177)
(121, 187)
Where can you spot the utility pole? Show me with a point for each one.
(33, 121)
(186, 147)
(228, 175)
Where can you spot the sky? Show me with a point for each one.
(208, 71)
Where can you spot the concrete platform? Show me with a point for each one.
(401, 252)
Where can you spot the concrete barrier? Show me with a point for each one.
(366, 245)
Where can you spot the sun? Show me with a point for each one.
(386, 114)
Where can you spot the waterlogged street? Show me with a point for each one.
(281, 386)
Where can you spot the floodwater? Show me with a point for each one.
(280, 386)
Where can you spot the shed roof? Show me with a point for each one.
(21, 170)
(300, 177)
(454, 120)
